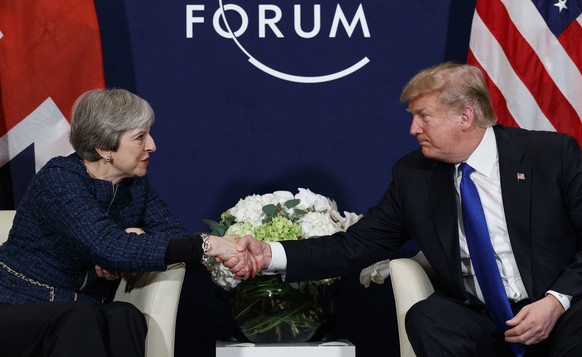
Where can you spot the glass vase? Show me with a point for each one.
(268, 310)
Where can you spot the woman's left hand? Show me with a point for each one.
(108, 275)
(114, 275)
(136, 230)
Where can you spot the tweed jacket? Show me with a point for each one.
(68, 222)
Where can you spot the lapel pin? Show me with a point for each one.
(520, 176)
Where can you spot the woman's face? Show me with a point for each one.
(131, 157)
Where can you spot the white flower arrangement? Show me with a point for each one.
(279, 216)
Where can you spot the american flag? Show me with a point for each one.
(50, 53)
(531, 54)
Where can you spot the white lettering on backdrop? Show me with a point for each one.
(269, 16)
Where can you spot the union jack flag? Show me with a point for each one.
(531, 53)
(50, 53)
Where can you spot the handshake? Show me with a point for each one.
(244, 257)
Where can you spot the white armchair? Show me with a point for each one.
(156, 294)
(410, 284)
(6, 218)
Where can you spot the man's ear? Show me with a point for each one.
(467, 117)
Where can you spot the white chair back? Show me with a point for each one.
(6, 218)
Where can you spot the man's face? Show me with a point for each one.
(437, 129)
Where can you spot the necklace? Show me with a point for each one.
(115, 188)
(115, 185)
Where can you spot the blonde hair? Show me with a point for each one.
(457, 85)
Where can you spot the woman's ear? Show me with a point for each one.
(105, 154)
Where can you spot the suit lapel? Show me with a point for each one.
(516, 190)
(444, 207)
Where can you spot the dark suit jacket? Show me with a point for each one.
(543, 213)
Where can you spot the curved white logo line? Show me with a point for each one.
(290, 77)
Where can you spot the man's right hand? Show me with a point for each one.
(261, 251)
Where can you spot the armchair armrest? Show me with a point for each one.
(410, 284)
(157, 295)
(6, 218)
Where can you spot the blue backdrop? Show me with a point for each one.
(227, 128)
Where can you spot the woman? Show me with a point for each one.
(85, 218)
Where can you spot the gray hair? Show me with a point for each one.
(458, 86)
(100, 116)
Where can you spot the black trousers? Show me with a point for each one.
(116, 329)
(440, 326)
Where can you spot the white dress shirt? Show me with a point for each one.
(485, 161)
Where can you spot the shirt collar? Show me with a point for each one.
(484, 157)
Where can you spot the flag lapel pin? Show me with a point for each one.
(520, 176)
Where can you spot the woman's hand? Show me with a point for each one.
(102, 273)
(114, 275)
(134, 230)
(242, 263)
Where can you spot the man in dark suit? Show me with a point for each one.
(530, 186)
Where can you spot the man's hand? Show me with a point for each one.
(241, 261)
(260, 251)
(535, 321)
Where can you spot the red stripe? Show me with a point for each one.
(497, 99)
(530, 69)
(50, 49)
(570, 40)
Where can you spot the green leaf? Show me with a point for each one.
(292, 203)
(299, 212)
(216, 228)
(270, 209)
(209, 222)
(229, 221)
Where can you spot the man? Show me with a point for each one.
(530, 189)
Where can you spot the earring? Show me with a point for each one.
(108, 159)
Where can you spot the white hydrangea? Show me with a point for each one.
(315, 224)
(249, 209)
(313, 201)
(344, 222)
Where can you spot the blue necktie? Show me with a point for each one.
(483, 255)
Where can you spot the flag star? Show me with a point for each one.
(561, 4)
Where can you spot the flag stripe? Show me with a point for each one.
(535, 74)
(528, 66)
(548, 49)
(497, 98)
(520, 103)
(569, 38)
(50, 53)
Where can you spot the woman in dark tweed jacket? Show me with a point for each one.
(85, 218)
